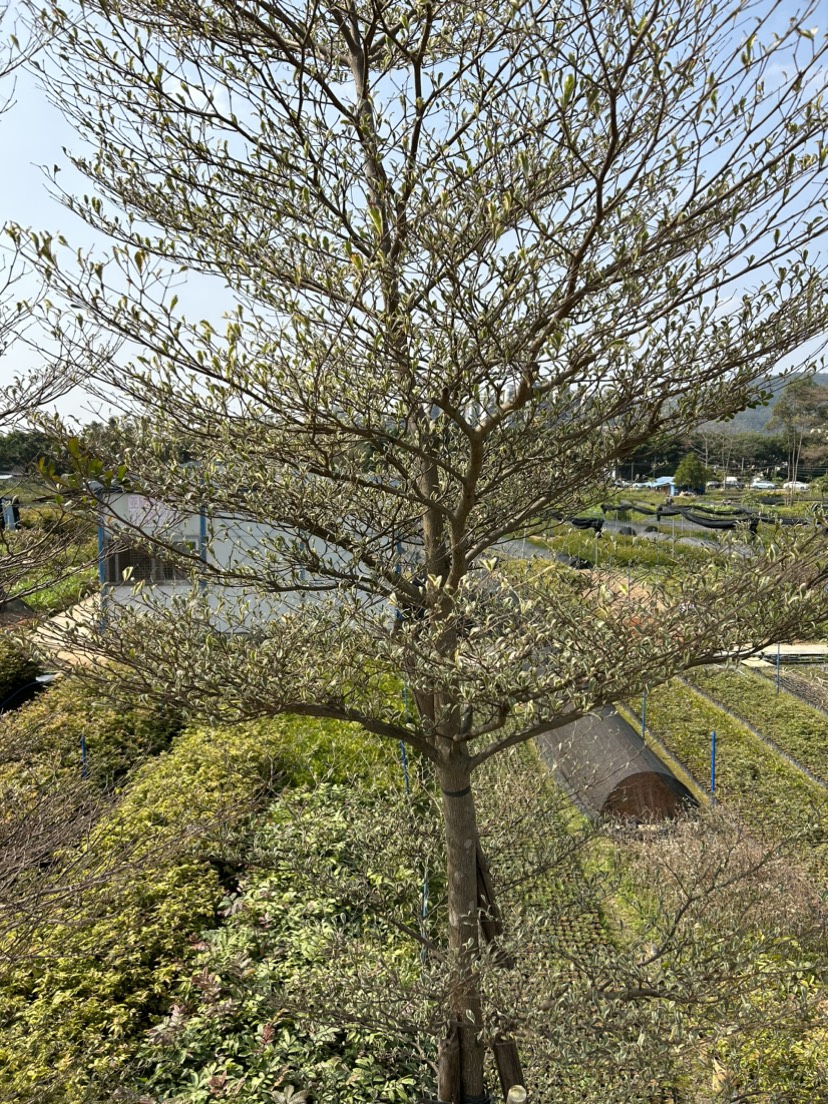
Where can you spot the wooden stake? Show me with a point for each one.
(448, 1067)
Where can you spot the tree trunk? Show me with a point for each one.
(460, 823)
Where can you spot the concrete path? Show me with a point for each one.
(61, 637)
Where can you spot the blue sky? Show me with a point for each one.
(33, 134)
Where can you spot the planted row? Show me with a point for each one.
(795, 727)
(768, 791)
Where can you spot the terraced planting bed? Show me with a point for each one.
(797, 728)
(770, 793)
(809, 682)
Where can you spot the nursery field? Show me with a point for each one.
(256, 912)
(774, 796)
(794, 726)
(261, 908)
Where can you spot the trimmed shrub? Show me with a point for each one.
(72, 1014)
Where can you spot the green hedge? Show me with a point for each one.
(72, 1015)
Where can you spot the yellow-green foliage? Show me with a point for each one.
(785, 1061)
(768, 791)
(71, 1015)
(278, 994)
(41, 741)
(799, 729)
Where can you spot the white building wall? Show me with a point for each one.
(227, 543)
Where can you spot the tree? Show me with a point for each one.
(691, 473)
(24, 393)
(801, 407)
(471, 260)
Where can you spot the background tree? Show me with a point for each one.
(23, 393)
(801, 407)
(472, 260)
(691, 474)
(654, 458)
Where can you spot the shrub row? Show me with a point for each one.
(73, 1012)
(638, 553)
(42, 740)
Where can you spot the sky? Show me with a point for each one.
(33, 135)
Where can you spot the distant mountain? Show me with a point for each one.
(757, 419)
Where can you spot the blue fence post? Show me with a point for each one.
(713, 767)
(202, 546)
(423, 917)
(778, 661)
(102, 568)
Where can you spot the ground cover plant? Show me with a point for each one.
(52, 558)
(770, 800)
(315, 981)
(312, 979)
(259, 934)
(656, 559)
(50, 562)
